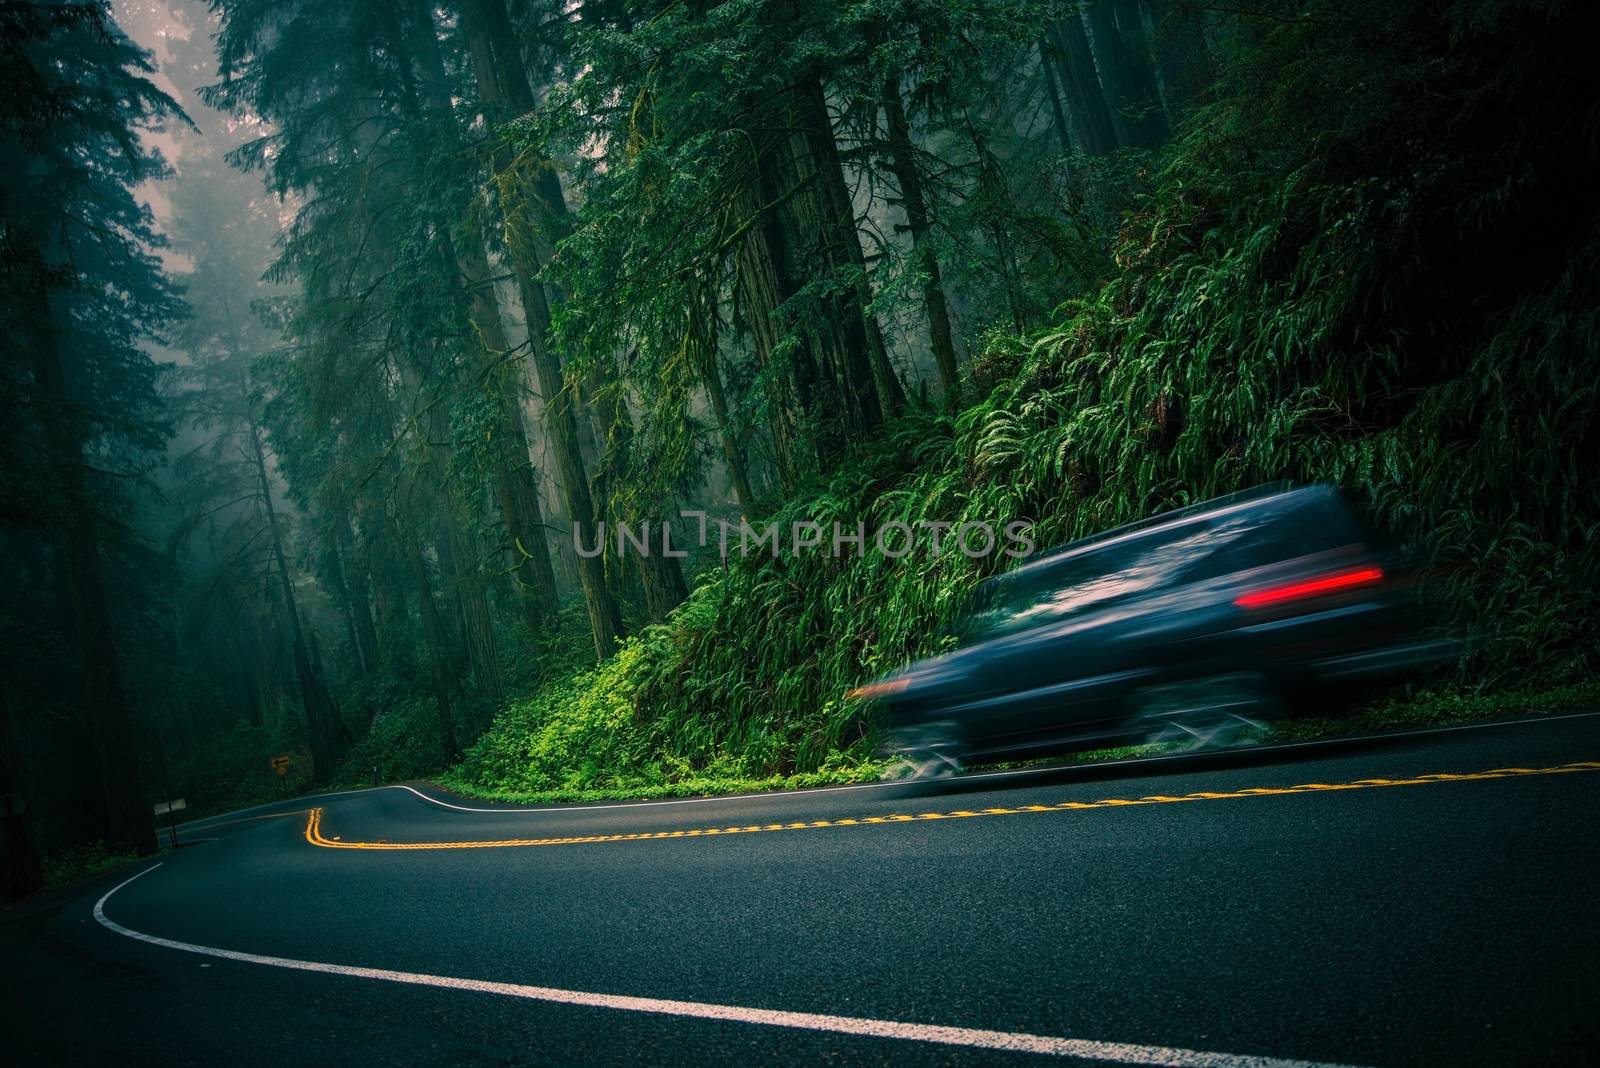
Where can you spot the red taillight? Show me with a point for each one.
(1316, 587)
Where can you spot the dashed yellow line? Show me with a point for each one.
(315, 836)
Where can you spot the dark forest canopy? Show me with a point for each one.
(301, 440)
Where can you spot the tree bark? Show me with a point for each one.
(515, 491)
(758, 296)
(1125, 71)
(359, 593)
(324, 729)
(1180, 53)
(20, 864)
(529, 186)
(482, 651)
(866, 380)
(660, 575)
(444, 681)
(1069, 48)
(705, 356)
(903, 161)
(1052, 91)
(124, 821)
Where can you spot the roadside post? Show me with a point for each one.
(280, 764)
(170, 809)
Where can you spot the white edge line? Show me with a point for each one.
(979, 776)
(1010, 774)
(1009, 1041)
(234, 814)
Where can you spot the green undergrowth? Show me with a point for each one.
(1445, 707)
(1434, 708)
(1326, 278)
(62, 867)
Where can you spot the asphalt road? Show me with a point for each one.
(1381, 904)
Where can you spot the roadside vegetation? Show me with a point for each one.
(1320, 278)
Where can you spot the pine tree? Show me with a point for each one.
(82, 293)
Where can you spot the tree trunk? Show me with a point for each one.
(705, 358)
(359, 594)
(992, 181)
(324, 729)
(482, 652)
(528, 186)
(830, 379)
(125, 822)
(660, 576)
(903, 162)
(758, 295)
(444, 681)
(1130, 86)
(1180, 53)
(20, 864)
(333, 556)
(515, 491)
(1052, 92)
(866, 380)
(516, 494)
(1069, 48)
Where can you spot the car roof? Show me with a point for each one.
(1273, 493)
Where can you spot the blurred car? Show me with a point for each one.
(1198, 626)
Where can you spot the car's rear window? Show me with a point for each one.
(1126, 568)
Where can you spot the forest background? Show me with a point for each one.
(330, 329)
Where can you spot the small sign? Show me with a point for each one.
(280, 764)
(168, 807)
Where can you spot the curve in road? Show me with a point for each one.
(1355, 918)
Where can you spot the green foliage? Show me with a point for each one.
(63, 867)
(1306, 289)
(402, 740)
(1444, 706)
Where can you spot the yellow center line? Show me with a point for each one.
(315, 836)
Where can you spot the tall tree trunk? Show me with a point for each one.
(866, 378)
(992, 181)
(605, 620)
(903, 161)
(798, 236)
(444, 680)
(1119, 47)
(660, 575)
(19, 866)
(703, 342)
(386, 567)
(482, 652)
(1052, 92)
(1069, 48)
(124, 821)
(530, 193)
(758, 296)
(359, 593)
(444, 548)
(1180, 53)
(333, 556)
(664, 587)
(323, 727)
(515, 491)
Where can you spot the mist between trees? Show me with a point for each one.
(332, 330)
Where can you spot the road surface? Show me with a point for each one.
(1425, 902)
